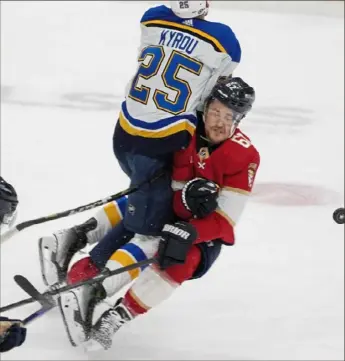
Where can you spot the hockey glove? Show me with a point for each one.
(12, 334)
(176, 240)
(200, 196)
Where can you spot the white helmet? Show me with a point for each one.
(189, 9)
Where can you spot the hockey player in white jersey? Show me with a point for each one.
(181, 57)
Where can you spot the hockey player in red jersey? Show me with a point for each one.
(212, 180)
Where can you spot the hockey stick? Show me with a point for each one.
(35, 315)
(47, 302)
(19, 227)
(32, 317)
(99, 278)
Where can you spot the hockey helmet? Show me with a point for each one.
(8, 202)
(189, 9)
(235, 94)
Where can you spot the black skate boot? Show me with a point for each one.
(104, 327)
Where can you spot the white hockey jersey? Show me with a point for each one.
(179, 63)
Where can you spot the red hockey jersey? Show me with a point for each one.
(233, 166)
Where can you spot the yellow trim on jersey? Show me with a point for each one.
(170, 130)
(224, 215)
(191, 29)
(112, 213)
(237, 190)
(122, 257)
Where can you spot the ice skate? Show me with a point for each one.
(77, 308)
(57, 250)
(111, 319)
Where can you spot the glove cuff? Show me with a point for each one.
(184, 191)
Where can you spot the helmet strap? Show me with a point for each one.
(233, 128)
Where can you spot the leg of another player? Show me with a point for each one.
(150, 207)
(146, 210)
(152, 286)
(144, 216)
(149, 290)
(85, 305)
(57, 250)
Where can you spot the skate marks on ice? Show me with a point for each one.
(263, 117)
(143, 344)
(279, 119)
(294, 194)
(85, 101)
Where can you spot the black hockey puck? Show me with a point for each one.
(339, 215)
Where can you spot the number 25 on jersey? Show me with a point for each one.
(151, 59)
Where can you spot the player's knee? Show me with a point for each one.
(183, 272)
(149, 209)
(154, 286)
(142, 221)
(132, 226)
(82, 270)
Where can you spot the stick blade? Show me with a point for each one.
(8, 234)
(32, 291)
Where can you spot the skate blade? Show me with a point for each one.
(92, 346)
(70, 311)
(47, 254)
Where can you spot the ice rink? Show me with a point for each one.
(279, 293)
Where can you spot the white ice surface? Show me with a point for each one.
(279, 293)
